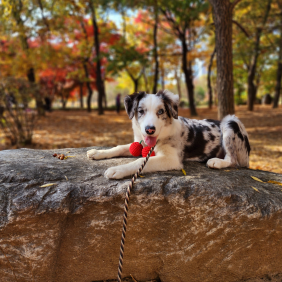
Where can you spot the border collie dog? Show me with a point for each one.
(155, 120)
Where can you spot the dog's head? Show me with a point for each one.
(153, 112)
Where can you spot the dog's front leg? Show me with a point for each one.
(157, 163)
(118, 151)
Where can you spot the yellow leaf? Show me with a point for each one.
(257, 179)
(227, 170)
(67, 152)
(255, 188)
(184, 172)
(274, 182)
(71, 156)
(66, 178)
(141, 175)
(47, 185)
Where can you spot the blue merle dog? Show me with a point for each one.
(155, 120)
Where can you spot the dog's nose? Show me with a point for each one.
(150, 129)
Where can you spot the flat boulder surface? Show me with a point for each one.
(60, 220)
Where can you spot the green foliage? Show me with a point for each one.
(199, 95)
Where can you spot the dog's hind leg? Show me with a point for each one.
(118, 151)
(235, 144)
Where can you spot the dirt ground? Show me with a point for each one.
(61, 129)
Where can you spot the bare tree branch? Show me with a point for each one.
(235, 3)
(241, 27)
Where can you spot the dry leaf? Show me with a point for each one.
(257, 179)
(67, 152)
(274, 182)
(66, 178)
(65, 158)
(255, 188)
(141, 175)
(47, 185)
(71, 156)
(227, 170)
(184, 172)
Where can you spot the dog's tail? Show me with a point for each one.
(235, 141)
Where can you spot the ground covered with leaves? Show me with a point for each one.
(61, 129)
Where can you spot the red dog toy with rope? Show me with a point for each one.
(136, 149)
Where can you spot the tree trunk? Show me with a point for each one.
(252, 72)
(38, 98)
(156, 76)
(105, 97)
(99, 80)
(278, 85)
(178, 83)
(146, 82)
(209, 79)
(188, 78)
(222, 14)
(251, 93)
(135, 81)
(90, 91)
(64, 103)
(81, 95)
(163, 79)
(279, 70)
(253, 65)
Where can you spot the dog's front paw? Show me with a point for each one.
(214, 163)
(115, 172)
(96, 154)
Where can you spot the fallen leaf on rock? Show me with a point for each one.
(184, 172)
(141, 175)
(227, 170)
(255, 188)
(47, 185)
(257, 179)
(274, 182)
(71, 156)
(66, 178)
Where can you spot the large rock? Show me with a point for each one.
(209, 225)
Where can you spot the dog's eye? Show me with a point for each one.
(160, 112)
(141, 112)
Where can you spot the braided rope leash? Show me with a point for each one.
(124, 225)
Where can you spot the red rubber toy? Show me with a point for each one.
(146, 150)
(135, 149)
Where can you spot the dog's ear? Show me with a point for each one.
(171, 102)
(131, 102)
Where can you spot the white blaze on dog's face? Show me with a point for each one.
(153, 112)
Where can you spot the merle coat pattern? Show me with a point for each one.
(155, 120)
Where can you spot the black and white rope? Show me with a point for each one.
(124, 225)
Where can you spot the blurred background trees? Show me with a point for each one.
(83, 53)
